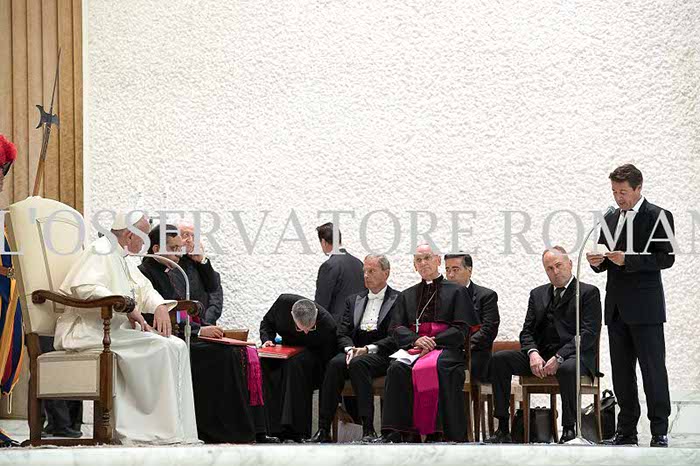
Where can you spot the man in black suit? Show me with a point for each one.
(339, 276)
(548, 345)
(635, 308)
(364, 346)
(458, 268)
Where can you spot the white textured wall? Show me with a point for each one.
(365, 105)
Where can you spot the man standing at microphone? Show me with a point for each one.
(635, 308)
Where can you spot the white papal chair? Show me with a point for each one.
(48, 236)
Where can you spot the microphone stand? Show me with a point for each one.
(175, 265)
(579, 440)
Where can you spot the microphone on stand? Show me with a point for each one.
(579, 440)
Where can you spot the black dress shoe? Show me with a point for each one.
(499, 437)
(369, 437)
(622, 439)
(435, 437)
(264, 438)
(389, 437)
(66, 432)
(321, 436)
(567, 434)
(660, 441)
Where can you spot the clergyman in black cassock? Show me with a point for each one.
(548, 345)
(440, 305)
(225, 410)
(635, 304)
(458, 268)
(289, 384)
(364, 340)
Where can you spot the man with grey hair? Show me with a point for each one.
(548, 345)
(364, 346)
(153, 389)
(289, 384)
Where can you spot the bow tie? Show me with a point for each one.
(380, 295)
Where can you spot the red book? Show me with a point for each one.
(228, 341)
(279, 351)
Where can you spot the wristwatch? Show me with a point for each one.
(560, 360)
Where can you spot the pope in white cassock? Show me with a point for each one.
(153, 392)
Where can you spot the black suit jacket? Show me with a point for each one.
(355, 306)
(635, 289)
(278, 320)
(339, 277)
(532, 336)
(486, 306)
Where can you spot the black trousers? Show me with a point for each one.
(60, 414)
(506, 364)
(289, 387)
(398, 397)
(643, 343)
(361, 371)
(480, 365)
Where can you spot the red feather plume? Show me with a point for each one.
(8, 151)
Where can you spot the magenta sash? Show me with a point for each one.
(425, 382)
(254, 377)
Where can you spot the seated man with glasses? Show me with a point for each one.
(227, 395)
(289, 384)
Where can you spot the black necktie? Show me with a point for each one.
(557, 296)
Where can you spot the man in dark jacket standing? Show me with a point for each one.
(338, 277)
(548, 343)
(635, 307)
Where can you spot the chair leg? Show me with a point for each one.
(476, 402)
(596, 403)
(526, 415)
(34, 408)
(467, 410)
(489, 408)
(553, 417)
(334, 428)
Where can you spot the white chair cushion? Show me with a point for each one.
(69, 374)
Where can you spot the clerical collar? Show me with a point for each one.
(438, 279)
(469, 283)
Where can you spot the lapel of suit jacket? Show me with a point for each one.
(360, 304)
(471, 289)
(389, 299)
(546, 299)
(569, 293)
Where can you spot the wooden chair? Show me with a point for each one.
(549, 385)
(472, 396)
(486, 416)
(377, 390)
(49, 235)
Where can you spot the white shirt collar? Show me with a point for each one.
(469, 283)
(566, 287)
(638, 205)
(379, 295)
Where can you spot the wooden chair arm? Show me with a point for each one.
(124, 304)
(193, 308)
